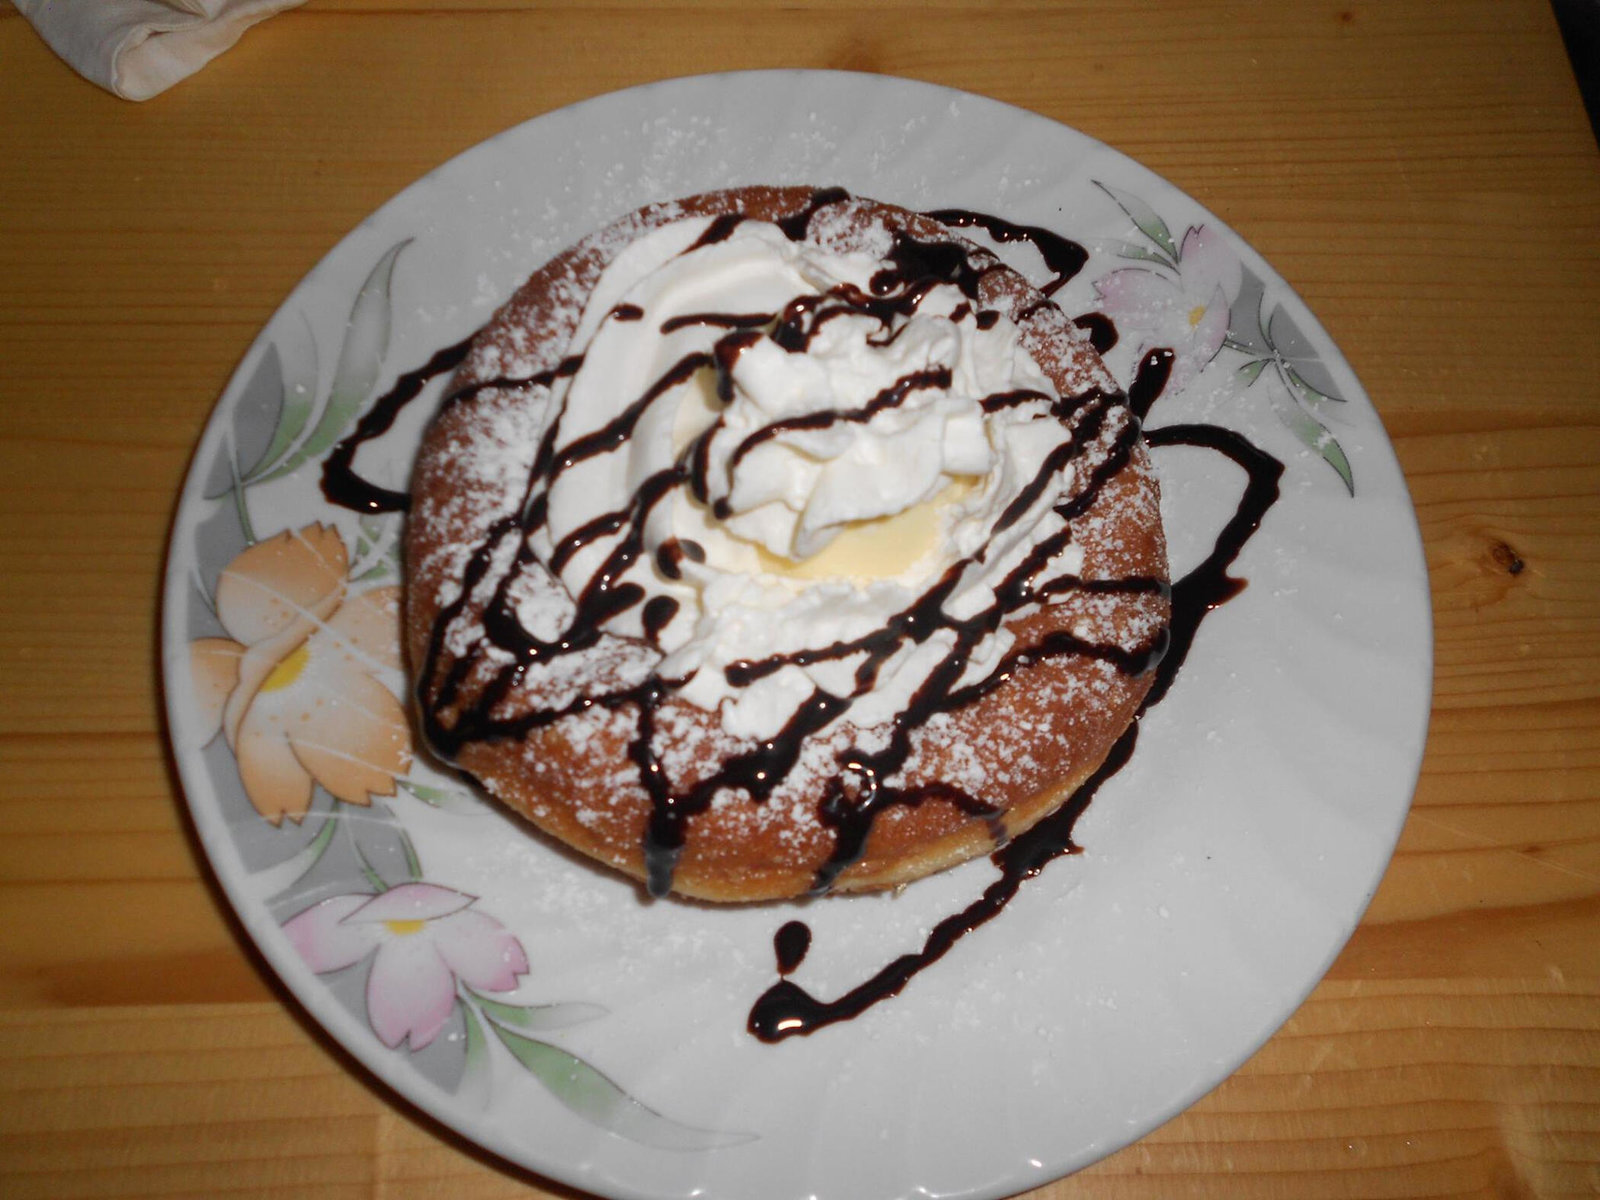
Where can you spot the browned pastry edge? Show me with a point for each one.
(1033, 740)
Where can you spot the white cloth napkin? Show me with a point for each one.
(137, 48)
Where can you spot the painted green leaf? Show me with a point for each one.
(1145, 217)
(369, 533)
(293, 412)
(1135, 251)
(535, 1017)
(1251, 371)
(380, 570)
(409, 849)
(366, 342)
(592, 1096)
(473, 1089)
(1312, 434)
(449, 800)
(377, 551)
(373, 877)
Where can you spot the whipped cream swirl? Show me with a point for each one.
(805, 438)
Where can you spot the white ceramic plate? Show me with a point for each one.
(535, 1003)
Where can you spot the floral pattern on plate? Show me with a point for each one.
(1195, 298)
(486, 981)
(302, 685)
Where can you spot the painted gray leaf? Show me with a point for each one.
(217, 540)
(1296, 349)
(1244, 331)
(592, 1096)
(373, 876)
(261, 844)
(1148, 221)
(255, 413)
(294, 410)
(1314, 381)
(1286, 337)
(366, 342)
(1312, 434)
(383, 851)
(280, 881)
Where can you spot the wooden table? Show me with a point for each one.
(1422, 173)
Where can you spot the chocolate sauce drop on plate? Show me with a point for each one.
(790, 944)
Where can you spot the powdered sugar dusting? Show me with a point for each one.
(1067, 710)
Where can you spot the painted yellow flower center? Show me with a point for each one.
(288, 670)
(1195, 313)
(404, 928)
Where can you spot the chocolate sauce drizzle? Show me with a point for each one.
(1100, 328)
(1062, 256)
(787, 1010)
(1149, 381)
(1106, 422)
(890, 397)
(1098, 423)
(340, 484)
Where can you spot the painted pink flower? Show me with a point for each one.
(423, 938)
(295, 687)
(1187, 314)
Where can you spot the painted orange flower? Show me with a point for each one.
(296, 686)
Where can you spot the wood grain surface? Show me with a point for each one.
(1422, 173)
